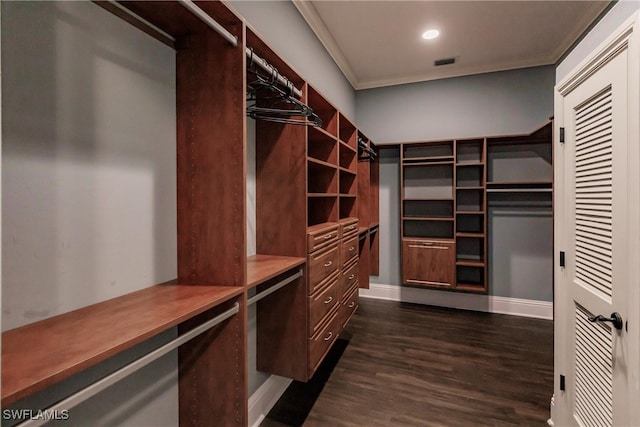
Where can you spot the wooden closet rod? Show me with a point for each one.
(125, 371)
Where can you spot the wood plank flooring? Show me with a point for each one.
(412, 365)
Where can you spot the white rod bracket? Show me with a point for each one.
(212, 23)
(257, 297)
(95, 388)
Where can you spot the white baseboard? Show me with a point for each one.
(487, 303)
(265, 397)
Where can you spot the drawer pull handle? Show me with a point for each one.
(328, 264)
(352, 304)
(328, 236)
(351, 249)
(428, 247)
(329, 336)
(351, 277)
(328, 300)
(351, 227)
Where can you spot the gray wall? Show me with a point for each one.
(619, 13)
(499, 103)
(280, 25)
(508, 102)
(88, 189)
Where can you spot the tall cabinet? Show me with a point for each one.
(446, 189)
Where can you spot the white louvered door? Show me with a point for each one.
(596, 223)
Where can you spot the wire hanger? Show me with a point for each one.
(269, 101)
(364, 151)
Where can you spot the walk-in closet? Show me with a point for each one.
(286, 213)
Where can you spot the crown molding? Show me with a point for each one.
(443, 73)
(319, 28)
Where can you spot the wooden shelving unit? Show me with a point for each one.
(445, 188)
(471, 215)
(309, 185)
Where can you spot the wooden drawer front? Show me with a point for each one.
(320, 343)
(322, 302)
(349, 250)
(322, 265)
(349, 229)
(428, 263)
(349, 279)
(322, 237)
(349, 306)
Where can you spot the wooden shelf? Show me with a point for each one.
(347, 171)
(353, 196)
(38, 355)
(470, 263)
(518, 185)
(478, 235)
(471, 287)
(323, 131)
(422, 163)
(427, 159)
(469, 212)
(470, 188)
(362, 230)
(316, 162)
(422, 218)
(261, 268)
(469, 163)
(347, 147)
(450, 199)
(322, 195)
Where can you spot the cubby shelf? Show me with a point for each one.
(320, 163)
(426, 163)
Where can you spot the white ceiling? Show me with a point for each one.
(379, 43)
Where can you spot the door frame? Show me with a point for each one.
(626, 37)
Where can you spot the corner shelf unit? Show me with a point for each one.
(446, 186)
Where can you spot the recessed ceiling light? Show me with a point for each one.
(430, 34)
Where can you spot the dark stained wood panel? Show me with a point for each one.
(211, 161)
(413, 365)
(364, 250)
(261, 268)
(71, 342)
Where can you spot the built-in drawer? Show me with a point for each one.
(349, 306)
(322, 235)
(320, 343)
(322, 302)
(349, 278)
(349, 227)
(430, 263)
(321, 265)
(349, 250)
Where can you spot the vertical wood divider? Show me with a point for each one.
(211, 168)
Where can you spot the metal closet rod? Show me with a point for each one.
(255, 59)
(257, 297)
(233, 40)
(132, 367)
(212, 23)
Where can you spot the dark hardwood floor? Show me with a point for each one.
(403, 364)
